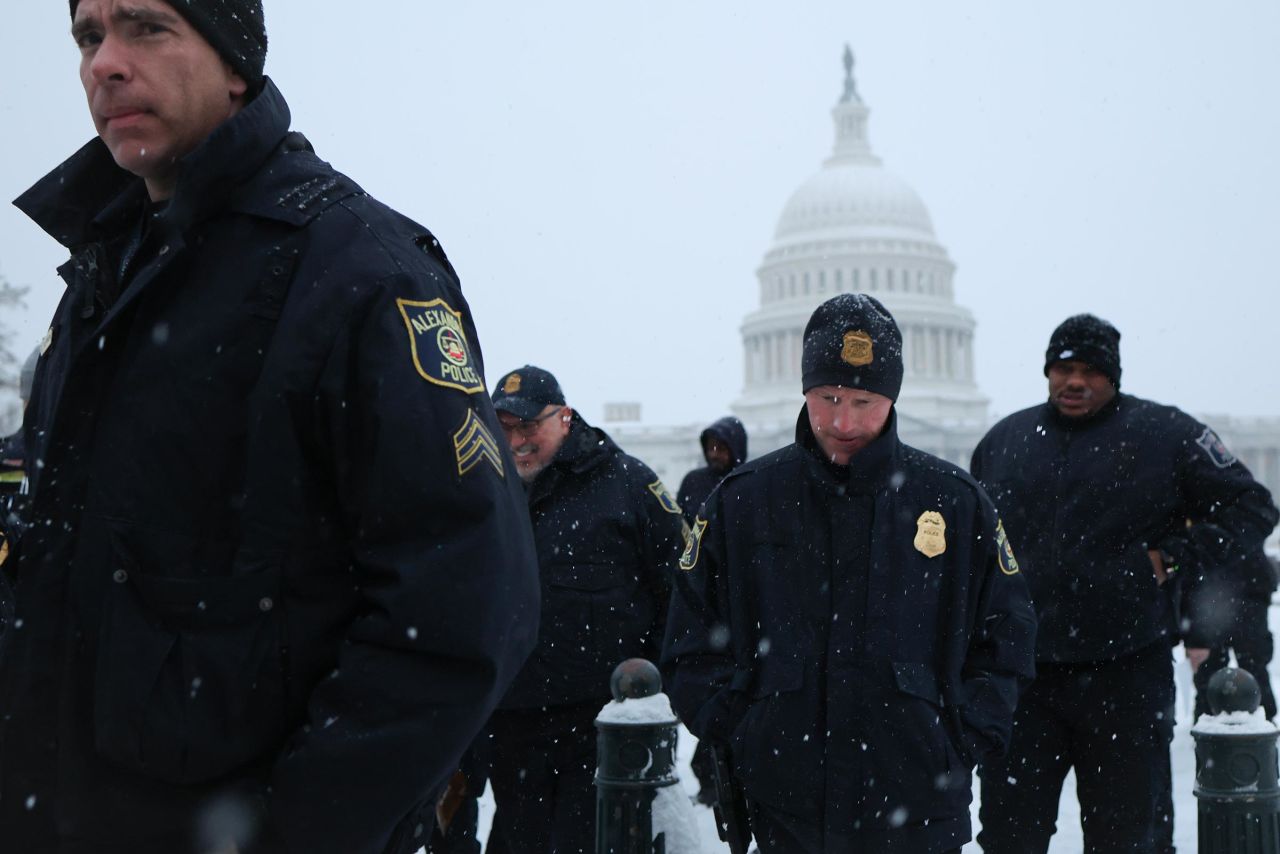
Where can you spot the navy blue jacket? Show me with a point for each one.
(698, 483)
(1083, 501)
(608, 535)
(273, 547)
(855, 677)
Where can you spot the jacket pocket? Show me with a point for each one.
(601, 614)
(190, 674)
(777, 746)
(916, 765)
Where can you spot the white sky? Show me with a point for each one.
(607, 177)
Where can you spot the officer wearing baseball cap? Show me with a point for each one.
(850, 623)
(526, 392)
(608, 536)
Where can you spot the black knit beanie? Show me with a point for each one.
(1087, 339)
(235, 28)
(853, 341)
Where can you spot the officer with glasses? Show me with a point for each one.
(607, 533)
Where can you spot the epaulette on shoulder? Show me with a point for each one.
(296, 186)
(769, 460)
(312, 196)
(928, 463)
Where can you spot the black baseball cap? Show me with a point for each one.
(526, 391)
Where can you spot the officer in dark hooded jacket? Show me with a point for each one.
(608, 535)
(850, 620)
(1096, 487)
(724, 447)
(276, 568)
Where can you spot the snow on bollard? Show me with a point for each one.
(1237, 777)
(639, 809)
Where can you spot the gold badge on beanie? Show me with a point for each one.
(857, 350)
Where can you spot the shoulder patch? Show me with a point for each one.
(664, 496)
(474, 444)
(1004, 551)
(438, 342)
(693, 545)
(1214, 447)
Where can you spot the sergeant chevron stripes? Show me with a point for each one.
(474, 443)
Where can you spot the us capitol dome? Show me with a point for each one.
(854, 226)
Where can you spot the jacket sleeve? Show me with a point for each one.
(684, 499)
(1000, 660)
(1230, 513)
(976, 460)
(664, 529)
(706, 687)
(443, 558)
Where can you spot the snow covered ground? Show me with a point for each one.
(1068, 839)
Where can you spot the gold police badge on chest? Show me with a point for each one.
(931, 534)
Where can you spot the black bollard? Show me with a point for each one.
(1237, 777)
(635, 757)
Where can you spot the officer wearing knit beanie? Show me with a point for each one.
(235, 28)
(203, 232)
(1105, 496)
(844, 549)
(851, 340)
(1088, 339)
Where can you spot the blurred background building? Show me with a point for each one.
(855, 226)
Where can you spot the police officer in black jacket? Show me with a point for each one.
(724, 447)
(275, 569)
(850, 620)
(608, 535)
(1095, 488)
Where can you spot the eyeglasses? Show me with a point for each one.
(527, 427)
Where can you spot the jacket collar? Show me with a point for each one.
(583, 449)
(868, 470)
(88, 198)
